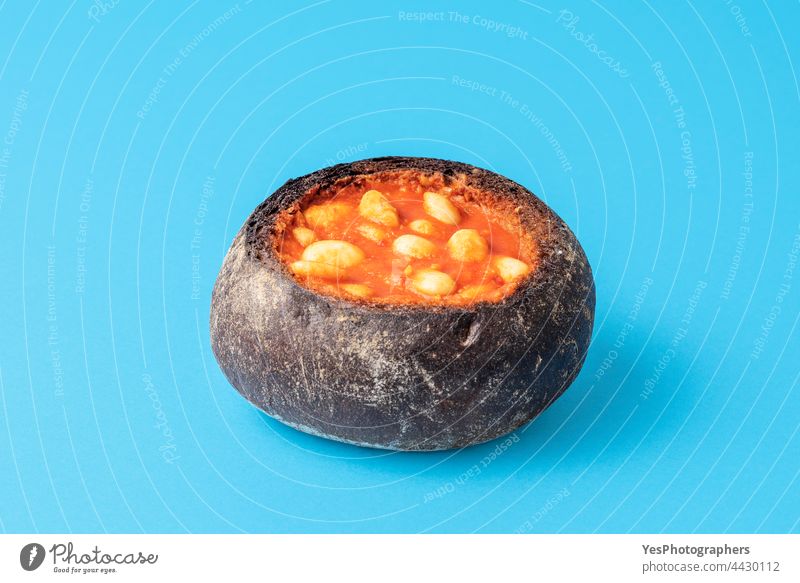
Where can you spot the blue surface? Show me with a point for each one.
(135, 140)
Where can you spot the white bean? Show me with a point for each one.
(372, 232)
(326, 214)
(338, 253)
(304, 236)
(357, 289)
(430, 282)
(467, 245)
(377, 208)
(315, 269)
(510, 269)
(440, 208)
(422, 226)
(413, 246)
(472, 291)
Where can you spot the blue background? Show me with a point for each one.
(136, 138)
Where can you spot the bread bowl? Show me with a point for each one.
(446, 308)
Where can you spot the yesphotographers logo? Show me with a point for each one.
(31, 556)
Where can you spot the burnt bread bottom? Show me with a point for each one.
(417, 377)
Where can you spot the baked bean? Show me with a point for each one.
(440, 208)
(414, 246)
(315, 269)
(357, 289)
(326, 214)
(473, 291)
(304, 236)
(467, 245)
(432, 283)
(422, 226)
(510, 269)
(338, 253)
(372, 232)
(377, 208)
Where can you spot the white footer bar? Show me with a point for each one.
(386, 558)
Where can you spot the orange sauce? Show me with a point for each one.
(384, 275)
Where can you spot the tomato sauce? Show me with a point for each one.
(384, 275)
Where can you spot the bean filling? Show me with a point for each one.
(405, 238)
